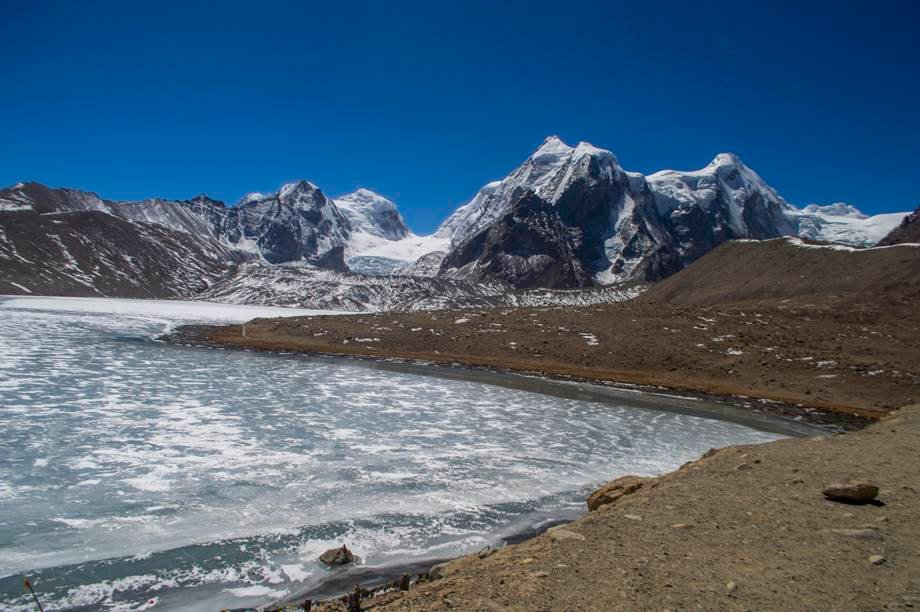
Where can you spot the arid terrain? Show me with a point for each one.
(830, 329)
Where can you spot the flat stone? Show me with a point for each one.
(851, 491)
(564, 534)
(860, 534)
(876, 559)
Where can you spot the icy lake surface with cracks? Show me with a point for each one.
(135, 474)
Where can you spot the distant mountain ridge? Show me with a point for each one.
(568, 217)
(622, 226)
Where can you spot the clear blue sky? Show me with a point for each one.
(426, 101)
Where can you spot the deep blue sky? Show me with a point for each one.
(426, 101)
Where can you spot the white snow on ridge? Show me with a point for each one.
(407, 249)
(839, 222)
(842, 223)
(378, 232)
(798, 242)
(13, 206)
(726, 172)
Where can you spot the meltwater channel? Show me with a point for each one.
(136, 474)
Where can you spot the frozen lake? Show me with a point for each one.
(135, 474)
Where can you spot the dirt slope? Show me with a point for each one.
(772, 271)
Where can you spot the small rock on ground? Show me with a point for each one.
(338, 556)
(851, 491)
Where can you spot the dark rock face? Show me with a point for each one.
(299, 223)
(530, 246)
(908, 231)
(91, 253)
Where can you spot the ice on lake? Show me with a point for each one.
(131, 469)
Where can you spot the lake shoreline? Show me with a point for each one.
(341, 581)
(753, 412)
(792, 421)
(742, 527)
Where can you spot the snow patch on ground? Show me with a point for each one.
(169, 309)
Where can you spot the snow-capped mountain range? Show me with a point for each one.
(567, 217)
(607, 225)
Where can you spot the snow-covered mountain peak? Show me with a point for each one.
(373, 214)
(299, 186)
(548, 172)
(726, 160)
(552, 146)
(726, 174)
(206, 200)
(299, 195)
(365, 198)
(289, 193)
(555, 151)
(253, 196)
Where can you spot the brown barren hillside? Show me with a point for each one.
(788, 270)
(831, 329)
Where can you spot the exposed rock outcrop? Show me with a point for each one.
(614, 490)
